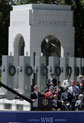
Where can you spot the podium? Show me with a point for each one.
(42, 104)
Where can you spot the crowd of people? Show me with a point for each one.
(67, 95)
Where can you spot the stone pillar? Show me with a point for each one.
(41, 70)
(72, 65)
(78, 64)
(53, 63)
(8, 72)
(63, 68)
(25, 75)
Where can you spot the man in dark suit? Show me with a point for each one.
(36, 94)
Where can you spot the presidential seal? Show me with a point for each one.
(45, 102)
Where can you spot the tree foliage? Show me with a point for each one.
(40, 1)
(79, 29)
(4, 23)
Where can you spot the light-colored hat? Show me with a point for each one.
(55, 95)
(80, 96)
(80, 76)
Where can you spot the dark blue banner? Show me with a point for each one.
(41, 117)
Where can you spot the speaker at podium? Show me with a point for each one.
(42, 104)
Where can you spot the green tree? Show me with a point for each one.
(79, 29)
(68, 2)
(78, 8)
(4, 23)
(40, 1)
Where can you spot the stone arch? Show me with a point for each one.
(19, 45)
(51, 46)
